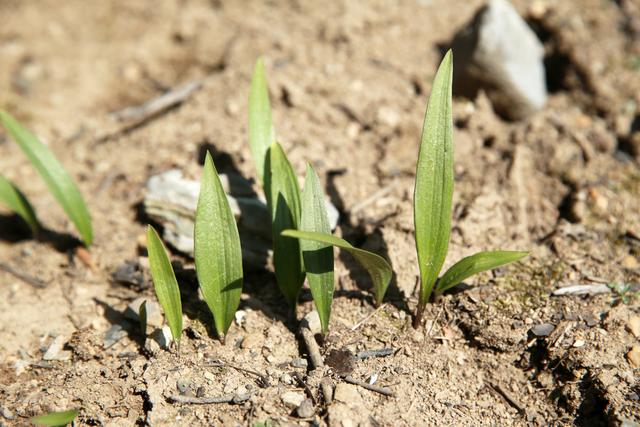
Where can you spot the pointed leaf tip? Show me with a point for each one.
(217, 251)
(54, 175)
(165, 283)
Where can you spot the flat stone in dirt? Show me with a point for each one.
(498, 53)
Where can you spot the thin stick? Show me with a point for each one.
(375, 196)
(382, 390)
(507, 396)
(382, 352)
(367, 317)
(29, 280)
(153, 106)
(312, 347)
(226, 398)
(264, 380)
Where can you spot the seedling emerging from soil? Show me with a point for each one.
(55, 418)
(57, 179)
(217, 250)
(280, 186)
(261, 132)
(12, 197)
(433, 196)
(377, 267)
(283, 199)
(317, 256)
(165, 284)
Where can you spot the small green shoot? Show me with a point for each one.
(55, 419)
(433, 197)
(377, 267)
(57, 179)
(283, 198)
(142, 315)
(317, 256)
(217, 250)
(12, 197)
(165, 284)
(261, 132)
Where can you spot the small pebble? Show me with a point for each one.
(633, 356)
(286, 379)
(542, 330)
(154, 315)
(305, 410)
(578, 343)
(299, 363)
(240, 316)
(184, 387)
(634, 326)
(292, 399)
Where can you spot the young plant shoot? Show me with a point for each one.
(433, 195)
(53, 419)
(317, 256)
(283, 200)
(165, 284)
(377, 267)
(261, 132)
(217, 250)
(280, 186)
(57, 179)
(12, 197)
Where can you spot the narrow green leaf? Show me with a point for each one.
(165, 283)
(434, 181)
(261, 132)
(13, 198)
(217, 250)
(57, 179)
(377, 267)
(142, 315)
(56, 418)
(283, 197)
(474, 264)
(317, 256)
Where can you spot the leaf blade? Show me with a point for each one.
(217, 252)
(317, 256)
(54, 175)
(261, 131)
(283, 199)
(474, 264)
(165, 283)
(14, 199)
(433, 193)
(378, 268)
(61, 418)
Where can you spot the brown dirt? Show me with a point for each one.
(349, 85)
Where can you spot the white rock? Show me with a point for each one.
(162, 336)
(312, 321)
(55, 352)
(498, 53)
(292, 399)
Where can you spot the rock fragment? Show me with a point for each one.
(497, 52)
(542, 330)
(633, 356)
(292, 399)
(634, 326)
(154, 316)
(305, 410)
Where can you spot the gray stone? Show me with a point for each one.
(162, 337)
(542, 330)
(55, 352)
(305, 410)
(497, 52)
(292, 399)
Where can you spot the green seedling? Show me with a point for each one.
(433, 195)
(217, 250)
(261, 132)
(55, 419)
(280, 186)
(283, 200)
(57, 179)
(165, 284)
(12, 197)
(378, 268)
(317, 256)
